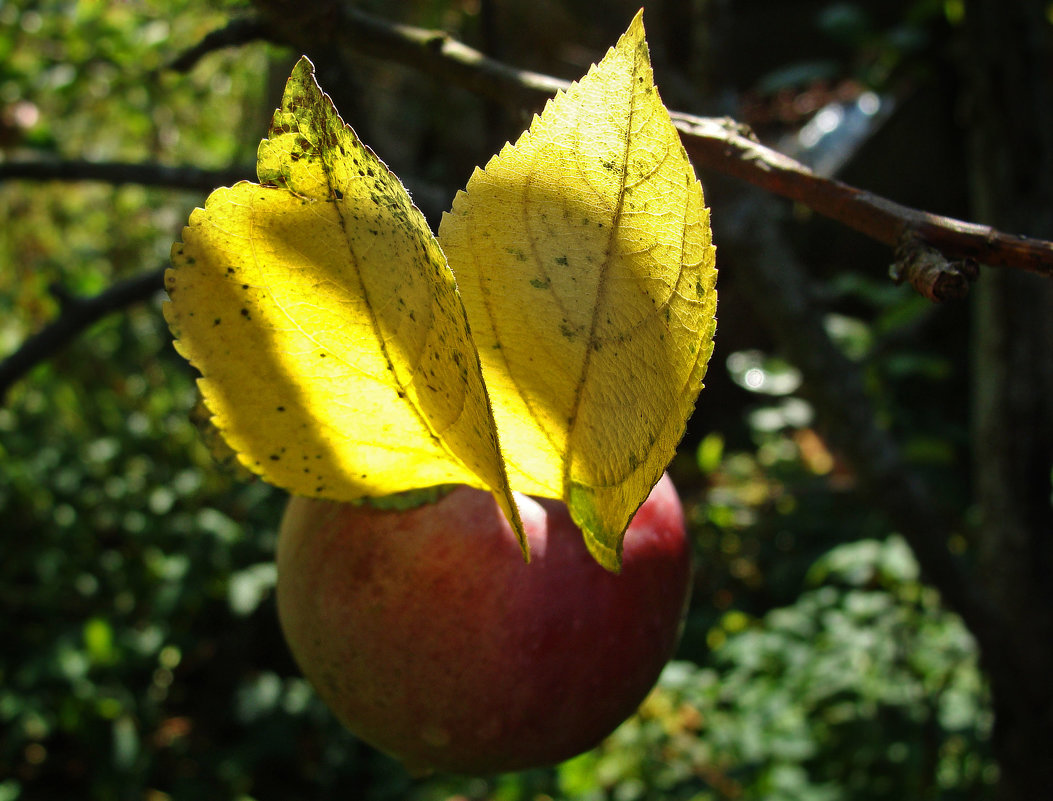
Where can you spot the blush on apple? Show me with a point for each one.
(430, 638)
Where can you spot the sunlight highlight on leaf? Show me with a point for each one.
(584, 257)
(333, 346)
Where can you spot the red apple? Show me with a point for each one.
(430, 638)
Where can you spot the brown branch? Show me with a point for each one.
(117, 173)
(725, 147)
(715, 144)
(76, 315)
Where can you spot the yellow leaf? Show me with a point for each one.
(332, 343)
(584, 257)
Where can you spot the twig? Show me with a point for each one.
(716, 144)
(430, 51)
(931, 275)
(190, 178)
(237, 32)
(75, 316)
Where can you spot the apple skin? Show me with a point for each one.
(429, 637)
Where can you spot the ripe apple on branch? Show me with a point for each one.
(542, 354)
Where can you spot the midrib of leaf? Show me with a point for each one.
(373, 321)
(275, 297)
(602, 288)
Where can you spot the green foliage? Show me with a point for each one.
(862, 689)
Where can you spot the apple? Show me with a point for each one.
(430, 638)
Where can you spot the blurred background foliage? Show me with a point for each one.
(141, 656)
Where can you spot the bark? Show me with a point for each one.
(1007, 62)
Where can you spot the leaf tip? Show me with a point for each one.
(637, 23)
(303, 69)
(506, 500)
(598, 537)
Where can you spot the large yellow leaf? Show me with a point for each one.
(584, 257)
(332, 343)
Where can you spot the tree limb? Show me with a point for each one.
(76, 315)
(716, 144)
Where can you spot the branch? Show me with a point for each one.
(717, 144)
(237, 32)
(433, 52)
(721, 145)
(117, 173)
(76, 315)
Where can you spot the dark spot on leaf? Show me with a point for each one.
(561, 260)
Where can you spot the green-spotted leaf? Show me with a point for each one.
(332, 343)
(584, 257)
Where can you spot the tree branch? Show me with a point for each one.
(76, 315)
(237, 32)
(723, 146)
(716, 144)
(430, 51)
(117, 173)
